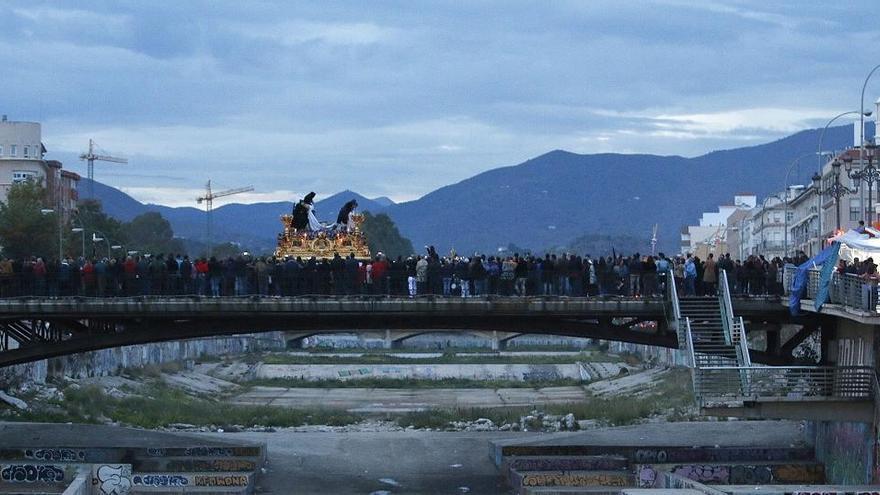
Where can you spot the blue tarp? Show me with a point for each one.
(827, 259)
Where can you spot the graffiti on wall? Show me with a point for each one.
(750, 475)
(575, 479)
(846, 449)
(30, 473)
(55, 455)
(112, 479)
(567, 463)
(159, 480)
(217, 480)
(647, 475)
(226, 465)
(703, 473)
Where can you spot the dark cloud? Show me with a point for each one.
(344, 94)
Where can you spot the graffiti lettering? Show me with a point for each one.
(659, 456)
(574, 479)
(227, 465)
(159, 480)
(750, 475)
(156, 452)
(113, 479)
(236, 480)
(28, 473)
(55, 455)
(799, 473)
(704, 474)
(209, 451)
(565, 464)
(647, 476)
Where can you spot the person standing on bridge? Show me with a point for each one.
(710, 275)
(690, 276)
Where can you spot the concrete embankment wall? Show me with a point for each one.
(574, 371)
(110, 361)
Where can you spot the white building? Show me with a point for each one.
(21, 159)
(711, 232)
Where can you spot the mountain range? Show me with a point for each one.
(546, 201)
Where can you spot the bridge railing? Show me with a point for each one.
(671, 294)
(725, 383)
(845, 289)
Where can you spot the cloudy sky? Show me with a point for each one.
(399, 98)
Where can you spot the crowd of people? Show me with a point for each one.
(514, 275)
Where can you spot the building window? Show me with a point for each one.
(1, 150)
(19, 176)
(27, 151)
(855, 206)
(12, 150)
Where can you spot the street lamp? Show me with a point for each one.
(869, 174)
(835, 190)
(103, 238)
(862, 118)
(49, 211)
(864, 113)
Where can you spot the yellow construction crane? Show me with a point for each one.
(208, 199)
(93, 156)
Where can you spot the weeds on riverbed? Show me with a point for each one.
(163, 405)
(410, 383)
(674, 394)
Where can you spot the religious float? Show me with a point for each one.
(305, 237)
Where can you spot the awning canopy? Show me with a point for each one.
(855, 245)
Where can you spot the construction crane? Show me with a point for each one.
(93, 156)
(208, 199)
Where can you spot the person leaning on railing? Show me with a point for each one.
(869, 289)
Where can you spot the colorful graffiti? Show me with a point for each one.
(159, 480)
(846, 449)
(704, 474)
(737, 474)
(228, 480)
(29, 473)
(573, 478)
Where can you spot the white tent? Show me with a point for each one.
(862, 246)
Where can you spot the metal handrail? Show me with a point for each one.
(768, 382)
(845, 289)
(672, 294)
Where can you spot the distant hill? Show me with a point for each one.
(550, 200)
(559, 196)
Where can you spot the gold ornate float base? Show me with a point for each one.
(306, 244)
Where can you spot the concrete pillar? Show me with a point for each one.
(495, 343)
(388, 344)
(773, 342)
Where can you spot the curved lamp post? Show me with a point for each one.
(836, 190)
(863, 114)
(869, 174)
(862, 121)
